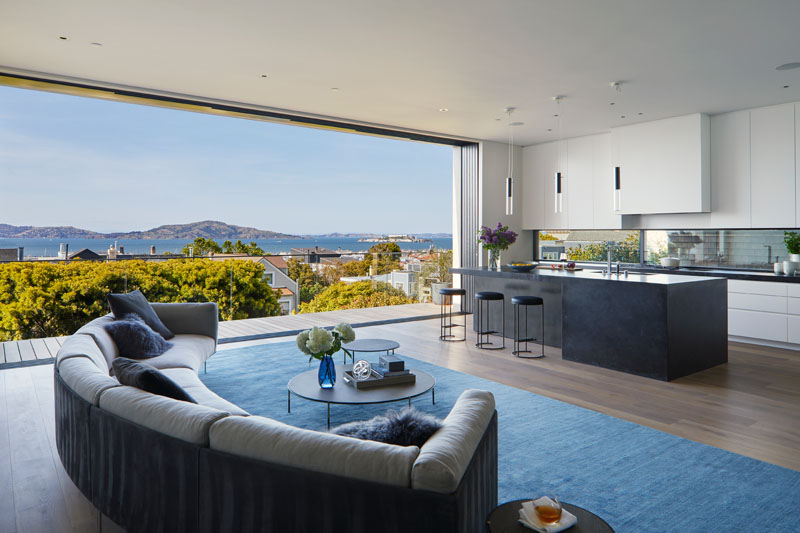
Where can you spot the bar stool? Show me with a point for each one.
(525, 301)
(482, 308)
(446, 323)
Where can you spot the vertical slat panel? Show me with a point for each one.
(469, 217)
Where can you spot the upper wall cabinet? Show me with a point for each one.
(730, 171)
(533, 187)
(605, 217)
(772, 166)
(579, 183)
(664, 166)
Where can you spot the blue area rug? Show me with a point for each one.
(636, 478)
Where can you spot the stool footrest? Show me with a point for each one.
(527, 339)
(488, 332)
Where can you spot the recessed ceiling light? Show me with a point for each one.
(555, 115)
(549, 129)
(622, 116)
(263, 75)
(63, 38)
(443, 110)
(640, 113)
(785, 86)
(335, 89)
(517, 124)
(788, 66)
(611, 103)
(96, 44)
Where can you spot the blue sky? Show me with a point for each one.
(109, 166)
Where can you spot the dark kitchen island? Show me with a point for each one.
(661, 326)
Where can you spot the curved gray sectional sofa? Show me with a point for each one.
(151, 463)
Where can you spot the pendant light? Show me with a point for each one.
(559, 196)
(510, 176)
(617, 199)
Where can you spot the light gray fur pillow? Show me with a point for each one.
(135, 339)
(408, 427)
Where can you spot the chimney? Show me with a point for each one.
(153, 250)
(20, 253)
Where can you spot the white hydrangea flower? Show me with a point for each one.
(346, 332)
(319, 340)
(302, 340)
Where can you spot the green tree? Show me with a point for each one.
(52, 299)
(626, 251)
(308, 282)
(388, 257)
(355, 296)
(201, 246)
(437, 268)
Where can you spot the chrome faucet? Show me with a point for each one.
(610, 246)
(769, 252)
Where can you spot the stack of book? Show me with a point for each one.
(390, 370)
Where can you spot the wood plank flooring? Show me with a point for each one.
(750, 406)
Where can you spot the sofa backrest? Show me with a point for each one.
(272, 441)
(194, 318)
(445, 456)
(82, 346)
(84, 377)
(101, 337)
(186, 421)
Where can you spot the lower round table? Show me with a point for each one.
(368, 345)
(306, 385)
(505, 519)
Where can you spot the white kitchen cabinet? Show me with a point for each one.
(603, 176)
(797, 165)
(793, 334)
(579, 181)
(533, 187)
(758, 325)
(772, 167)
(793, 290)
(757, 302)
(665, 166)
(759, 287)
(730, 171)
(793, 306)
(554, 159)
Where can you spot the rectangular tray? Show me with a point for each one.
(374, 382)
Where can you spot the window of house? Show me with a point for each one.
(745, 249)
(268, 278)
(589, 245)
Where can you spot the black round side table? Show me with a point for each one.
(505, 519)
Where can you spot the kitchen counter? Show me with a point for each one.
(749, 275)
(662, 326)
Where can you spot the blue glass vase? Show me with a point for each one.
(327, 372)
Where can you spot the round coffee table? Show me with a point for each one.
(306, 385)
(368, 345)
(505, 519)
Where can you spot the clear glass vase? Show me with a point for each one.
(494, 259)
(327, 372)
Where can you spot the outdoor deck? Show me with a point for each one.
(40, 351)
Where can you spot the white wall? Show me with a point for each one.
(493, 173)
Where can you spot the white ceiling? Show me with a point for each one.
(396, 63)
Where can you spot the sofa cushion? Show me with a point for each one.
(81, 346)
(268, 440)
(188, 351)
(135, 339)
(82, 375)
(187, 378)
(185, 421)
(408, 427)
(102, 337)
(135, 302)
(444, 458)
(145, 377)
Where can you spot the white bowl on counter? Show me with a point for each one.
(670, 262)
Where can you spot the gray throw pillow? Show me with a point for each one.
(147, 378)
(135, 302)
(408, 427)
(135, 339)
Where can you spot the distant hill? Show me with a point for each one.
(209, 229)
(377, 235)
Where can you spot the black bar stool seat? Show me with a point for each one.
(526, 301)
(446, 323)
(482, 310)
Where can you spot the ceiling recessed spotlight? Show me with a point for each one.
(788, 66)
(517, 124)
(785, 86)
(443, 110)
(497, 120)
(263, 75)
(611, 103)
(622, 116)
(335, 89)
(96, 44)
(555, 115)
(640, 113)
(549, 129)
(63, 38)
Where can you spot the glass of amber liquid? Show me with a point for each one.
(548, 509)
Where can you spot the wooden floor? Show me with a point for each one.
(38, 351)
(749, 406)
(262, 328)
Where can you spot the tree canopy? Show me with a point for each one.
(354, 296)
(52, 299)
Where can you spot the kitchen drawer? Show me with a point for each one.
(794, 289)
(793, 306)
(769, 288)
(757, 302)
(794, 329)
(758, 325)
